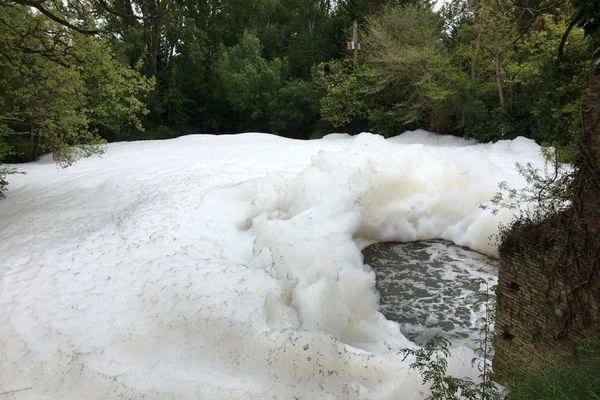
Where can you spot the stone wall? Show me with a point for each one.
(549, 279)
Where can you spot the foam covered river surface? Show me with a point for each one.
(433, 288)
(230, 268)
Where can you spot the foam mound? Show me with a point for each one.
(230, 267)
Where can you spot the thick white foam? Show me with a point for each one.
(230, 266)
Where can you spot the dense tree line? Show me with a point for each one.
(487, 70)
(76, 73)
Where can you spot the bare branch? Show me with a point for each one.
(38, 5)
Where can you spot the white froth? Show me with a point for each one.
(229, 267)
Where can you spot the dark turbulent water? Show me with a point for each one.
(432, 288)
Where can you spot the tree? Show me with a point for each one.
(496, 33)
(413, 71)
(114, 93)
(347, 101)
(60, 89)
(46, 102)
(586, 15)
(250, 83)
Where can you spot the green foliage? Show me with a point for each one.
(60, 90)
(113, 94)
(432, 363)
(411, 74)
(190, 48)
(585, 15)
(432, 360)
(46, 102)
(261, 93)
(250, 83)
(548, 192)
(4, 172)
(298, 108)
(347, 91)
(3, 182)
(411, 69)
(5, 150)
(480, 69)
(404, 79)
(550, 94)
(567, 380)
(487, 388)
(482, 72)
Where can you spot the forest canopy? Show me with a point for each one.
(79, 73)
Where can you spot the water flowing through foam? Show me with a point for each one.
(433, 288)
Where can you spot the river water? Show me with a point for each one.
(434, 288)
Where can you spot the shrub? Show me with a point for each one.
(577, 380)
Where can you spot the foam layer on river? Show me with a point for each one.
(229, 267)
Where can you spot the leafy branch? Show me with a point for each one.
(548, 191)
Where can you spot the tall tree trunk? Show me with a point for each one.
(154, 48)
(128, 11)
(37, 147)
(511, 94)
(474, 58)
(130, 25)
(498, 73)
(31, 144)
(152, 27)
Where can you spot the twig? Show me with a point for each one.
(16, 390)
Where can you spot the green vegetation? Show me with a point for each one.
(432, 362)
(77, 74)
(548, 192)
(60, 91)
(475, 70)
(577, 380)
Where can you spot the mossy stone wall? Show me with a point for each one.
(549, 277)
